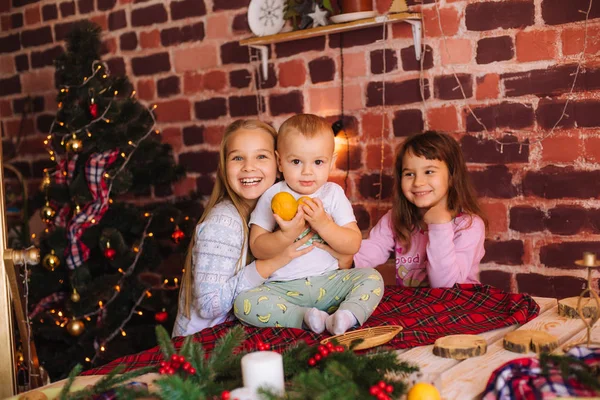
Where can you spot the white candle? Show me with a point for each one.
(243, 394)
(263, 369)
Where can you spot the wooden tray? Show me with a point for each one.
(372, 336)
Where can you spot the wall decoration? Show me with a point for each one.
(265, 17)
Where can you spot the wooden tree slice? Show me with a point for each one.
(568, 307)
(524, 341)
(460, 347)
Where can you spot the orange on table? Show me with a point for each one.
(284, 205)
(423, 391)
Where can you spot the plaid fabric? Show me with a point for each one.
(77, 252)
(523, 379)
(425, 313)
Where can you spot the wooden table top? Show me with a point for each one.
(460, 380)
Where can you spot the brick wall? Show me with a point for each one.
(515, 60)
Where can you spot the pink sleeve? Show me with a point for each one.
(453, 257)
(376, 249)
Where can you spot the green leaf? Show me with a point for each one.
(164, 340)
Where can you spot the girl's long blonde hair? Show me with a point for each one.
(461, 194)
(221, 191)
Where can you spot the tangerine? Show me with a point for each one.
(423, 391)
(284, 205)
(302, 200)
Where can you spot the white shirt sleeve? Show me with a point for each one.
(218, 248)
(341, 208)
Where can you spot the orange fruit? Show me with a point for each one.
(423, 391)
(284, 205)
(302, 200)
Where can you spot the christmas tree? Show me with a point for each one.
(100, 289)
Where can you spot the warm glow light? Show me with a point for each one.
(33, 236)
(136, 249)
(93, 221)
(123, 155)
(120, 270)
(123, 332)
(45, 142)
(110, 201)
(140, 313)
(60, 314)
(118, 288)
(146, 215)
(61, 123)
(187, 218)
(116, 92)
(104, 76)
(102, 348)
(52, 158)
(157, 132)
(148, 293)
(175, 280)
(87, 359)
(154, 107)
(89, 134)
(130, 143)
(106, 175)
(171, 219)
(151, 234)
(100, 303)
(166, 281)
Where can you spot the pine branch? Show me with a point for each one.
(164, 341)
(222, 355)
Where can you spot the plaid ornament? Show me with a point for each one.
(63, 175)
(77, 252)
(523, 379)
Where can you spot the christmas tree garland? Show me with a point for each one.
(311, 372)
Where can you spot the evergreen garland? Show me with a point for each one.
(340, 374)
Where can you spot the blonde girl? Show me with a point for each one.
(217, 266)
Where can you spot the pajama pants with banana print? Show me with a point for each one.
(284, 303)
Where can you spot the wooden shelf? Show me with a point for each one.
(329, 29)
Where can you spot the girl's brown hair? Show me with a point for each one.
(221, 190)
(461, 194)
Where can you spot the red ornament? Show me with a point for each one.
(110, 253)
(94, 110)
(161, 316)
(225, 395)
(177, 235)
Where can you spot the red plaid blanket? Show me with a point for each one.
(426, 314)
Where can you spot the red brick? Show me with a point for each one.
(7, 65)
(217, 26)
(450, 21)
(508, 252)
(292, 73)
(360, 37)
(213, 134)
(150, 40)
(443, 119)
(564, 255)
(396, 93)
(192, 82)
(377, 61)
(172, 136)
(490, 152)
(565, 220)
(561, 149)
(13, 127)
(32, 15)
(503, 115)
(348, 158)
(151, 64)
(199, 161)
(5, 22)
(494, 49)
(322, 69)
(211, 108)
(101, 20)
(371, 126)
(110, 45)
(243, 106)
(288, 103)
(496, 214)
(456, 51)
(410, 62)
(195, 58)
(33, 145)
(581, 114)
(494, 182)
(488, 87)
(407, 122)
(446, 87)
(184, 187)
(572, 40)
(554, 80)
(5, 109)
(324, 101)
(501, 280)
(506, 14)
(146, 89)
(37, 82)
(287, 49)
(363, 219)
(174, 110)
(527, 219)
(401, 31)
(555, 12)
(551, 183)
(549, 286)
(215, 80)
(536, 45)
(353, 97)
(592, 149)
(369, 186)
(374, 157)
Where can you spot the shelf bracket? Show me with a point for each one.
(264, 59)
(416, 31)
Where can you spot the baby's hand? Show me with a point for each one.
(293, 228)
(316, 216)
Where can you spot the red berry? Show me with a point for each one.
(389, 388)
(163, 364)
(186, 366)
(175, 365)
(181, 359)
(267, 346)
(174, 358)
(192, 371)
(340, 349)
(381, 396)
(382, 385)
(330, 346)
(312, 362)
(374, 391)
(318, 357)
(162, 371)
(170, 371)
(225, 395)
(321, 348)
(325, 353)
